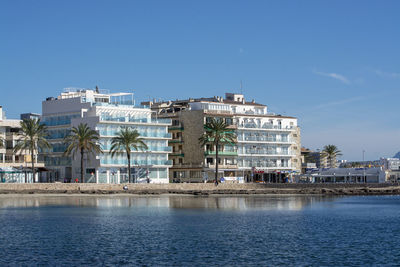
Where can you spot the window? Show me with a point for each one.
(9, 145)
(180, 160)
(91, 171)
(294, 135)
(195, 174)
(210, 160)
(179, 174)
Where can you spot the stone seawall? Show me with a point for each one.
(202, 189)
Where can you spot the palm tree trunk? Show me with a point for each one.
(81, 165)
(129, 166)
(33, 166)
(216, 164)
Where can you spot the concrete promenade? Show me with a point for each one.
(202, 189)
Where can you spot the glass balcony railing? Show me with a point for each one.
(121, 161)
(116, 118)
(221, 153)
(264, 126)
(265, 152)
(263, 139)
(59, 120)
(150, 148)
(263, 165)
(103, 132)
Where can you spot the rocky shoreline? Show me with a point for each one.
(203, 189)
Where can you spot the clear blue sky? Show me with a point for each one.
(333, 64)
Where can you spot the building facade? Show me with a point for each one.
(105, 113)
(267, 147)
(14, 167)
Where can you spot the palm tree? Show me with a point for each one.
(32, 138)
(82, 139)
(217, 133)
(127, 140)
(331, 152)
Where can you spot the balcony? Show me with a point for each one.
(265, 153)
(176, 128)
(124, 162)
(265, 126)
(222, 166)
(177, 154)
(107, 147)
(263, 139)
(144, 120)
(220, 153)
(266, 165)
(176, 140)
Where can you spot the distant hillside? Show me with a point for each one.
(397, 155)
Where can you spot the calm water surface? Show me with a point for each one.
(193, 231)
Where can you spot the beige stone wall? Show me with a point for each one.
(193, 122)
(296, 136)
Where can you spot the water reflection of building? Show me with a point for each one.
(271, 202)
(241, 203)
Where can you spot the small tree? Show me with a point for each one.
(217, 133)
(127, 140)
(32, 138)
(82, 139)
(331, 152)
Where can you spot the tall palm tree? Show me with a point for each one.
(331, 152)
(32, 138)
(217, 133)
(127, 140)
(82, 139)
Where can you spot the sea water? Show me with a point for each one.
(61, 230)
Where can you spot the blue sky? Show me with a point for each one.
(333, 64)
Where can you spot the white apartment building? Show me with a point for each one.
(106, 113)
(268, 145)
(14, 167)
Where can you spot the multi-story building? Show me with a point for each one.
(106, 113)
(313, 159)
(267, 147)
(392, 164)
(15, 167)
(26, 116)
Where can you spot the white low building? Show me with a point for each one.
(344, 175)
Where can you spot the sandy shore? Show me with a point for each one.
(202, 189)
